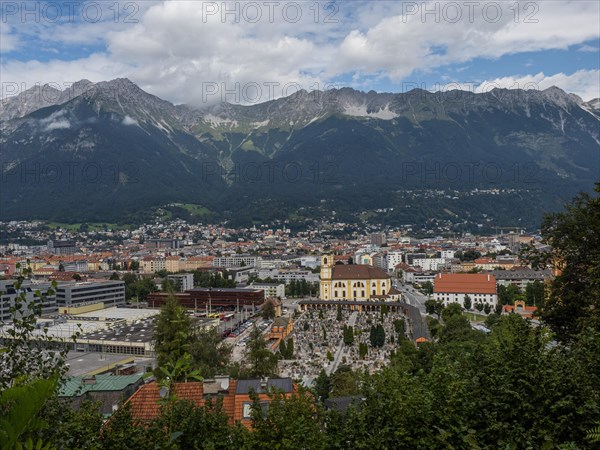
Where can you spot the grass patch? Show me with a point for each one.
(195, 210)
(92, 226)
(474, 317)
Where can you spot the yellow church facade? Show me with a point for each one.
(354, 282)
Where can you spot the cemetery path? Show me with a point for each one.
(341, 347)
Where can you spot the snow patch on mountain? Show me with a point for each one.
(264, 123)
(361, 111)
(216, 121)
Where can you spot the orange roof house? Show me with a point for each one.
(520, 308)
(465, 283)
(456, 287)
(146, 402)
(281, 328)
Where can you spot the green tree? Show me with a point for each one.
(287, 349)
(377, 335)
(348, 335)
(508, 294)
(173, 333)
(573, 301)
(453, 309)
(210, 354)
(169, 285)
(322, 386)
(114, 276)
(534, 294)
(339, 314)
(434, 307)
(268, 310)
(71, 428)
(344, 382)
(283, 349)
(400, 328)
(468, 303)
(259, 360)
(291, 423)
(468, 255)
(363, 350)
(427, 287)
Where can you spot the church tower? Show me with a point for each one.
(326, 275)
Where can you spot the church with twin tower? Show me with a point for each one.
(354, 282)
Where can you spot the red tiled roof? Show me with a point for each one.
(357, 272)
(146, 402)
(484, 261)
(465, 283)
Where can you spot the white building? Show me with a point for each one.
(429, 264)
(393, 259)
(454, 287)
(276, 290)
(184, 281)
(236, 261)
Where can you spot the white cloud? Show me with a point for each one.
(129, 121)
(58, 125)
(179, 52)
(584, 83)
(8, 41)
(61, 74)
(55, 121)
(588, 49)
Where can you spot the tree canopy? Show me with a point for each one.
(573, 301)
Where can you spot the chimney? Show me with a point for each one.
(90, 380)
(488, 277)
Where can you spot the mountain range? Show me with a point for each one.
(110, 151)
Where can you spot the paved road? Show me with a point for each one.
(341, 347)
(412, 296)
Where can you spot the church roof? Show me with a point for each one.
(358, 272)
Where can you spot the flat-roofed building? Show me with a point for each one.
(62, 247)
(211, 298)
(183, 281)
(521, 277)
(276, 290)
(111, 293)
(9, 294)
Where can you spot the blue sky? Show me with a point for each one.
(176, 49)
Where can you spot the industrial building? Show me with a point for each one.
(9, 294)
(110, 293)
(210, 298)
